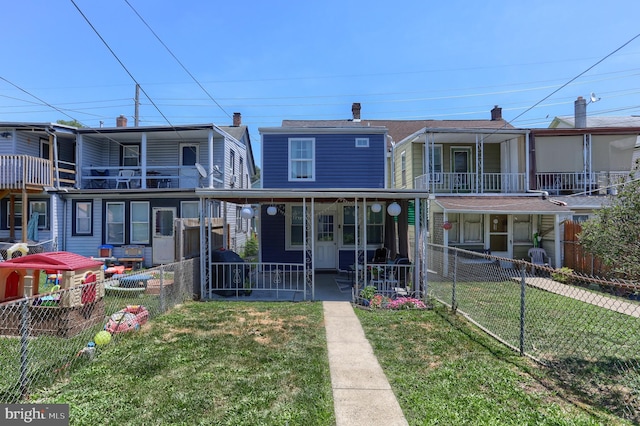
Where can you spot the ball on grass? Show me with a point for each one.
(102, 338)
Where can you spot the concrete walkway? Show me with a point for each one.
(361, 393)
(617, 305)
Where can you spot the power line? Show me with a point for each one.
(119, 61)
(176, 59)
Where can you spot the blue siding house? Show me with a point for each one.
(349, 157)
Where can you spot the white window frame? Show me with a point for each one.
(288, 226)
(360, 222)
(135, 220)
(311, 160)
(362, 142)
(83, 216)
(109, 223)
(43, 219)
(130, 151)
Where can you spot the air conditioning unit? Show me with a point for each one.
(232, 180)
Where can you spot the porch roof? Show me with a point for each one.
(522, 204)
(256, 196)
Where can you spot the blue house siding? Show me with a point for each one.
(273, 240)
(338, 163)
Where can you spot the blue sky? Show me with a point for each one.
(280, 60)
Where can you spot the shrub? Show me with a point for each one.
(368, 292)
(406, 303)
(563, 275)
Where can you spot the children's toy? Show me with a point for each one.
(127, 319)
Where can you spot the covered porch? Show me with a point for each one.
(306, 234)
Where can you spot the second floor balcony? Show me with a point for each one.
(135, 177)
(24, 172)
(555, 183)
(475, 183)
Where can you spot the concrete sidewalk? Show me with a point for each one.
(361, 393)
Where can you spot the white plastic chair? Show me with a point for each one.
(538, 256)
(124, 177)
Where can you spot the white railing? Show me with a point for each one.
(445, 182)
(594, 183)
(106, 177)
(279, 281)
(22, 171)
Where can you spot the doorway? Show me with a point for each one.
(189, 176)
(500, 241)
(164, 242)
(325, 244)
(461, 168)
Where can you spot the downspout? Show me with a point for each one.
(393, 163)
(54, 142)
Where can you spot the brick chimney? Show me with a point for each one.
(237, 119)
(355, 110)
(496, 113)
(580, 108)
(121, 121)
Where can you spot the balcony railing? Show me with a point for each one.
(593, 183)
(478, 183)
(19, 172)
(109, 177)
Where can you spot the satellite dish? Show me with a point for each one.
(594, 98)
(201, 170)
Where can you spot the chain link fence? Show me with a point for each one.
(585, 330)
(43, 337)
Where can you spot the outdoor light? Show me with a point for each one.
(246, 213)
(376, 207)
(394, 209)
(447, 225)
(272, 210)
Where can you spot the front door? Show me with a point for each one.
(164, 242)
(325, 245)
(500, 241)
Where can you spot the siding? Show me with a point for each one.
(339, 164)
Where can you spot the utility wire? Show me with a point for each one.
(120, 62)
(176, 59)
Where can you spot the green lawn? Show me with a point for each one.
(249, 363)
(444, 372)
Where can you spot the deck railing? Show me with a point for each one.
(446, 182)
(589, 183)
(24, 171)
(107, 177)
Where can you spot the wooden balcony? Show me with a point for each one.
(23, 172)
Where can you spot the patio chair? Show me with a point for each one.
(380, 256)
(124, 177)
(538, 256)
(99, 183)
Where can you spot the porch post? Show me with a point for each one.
(418, 253)
(143, 161)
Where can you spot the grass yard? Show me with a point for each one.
(223, 363)
(251, 363)
(444, 372)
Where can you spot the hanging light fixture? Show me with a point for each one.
(376, 207)
(246, 212)
(394, 209)
(272, 210)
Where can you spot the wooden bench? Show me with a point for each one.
(133, 257)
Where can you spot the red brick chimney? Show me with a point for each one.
(355, 110)
(237, 119)
(121, 121)
(496, 113)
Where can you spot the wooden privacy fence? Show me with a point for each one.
(188, 236)
(575, 257)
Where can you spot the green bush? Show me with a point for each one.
(563, 275)
(368, 292)
(251, 247)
